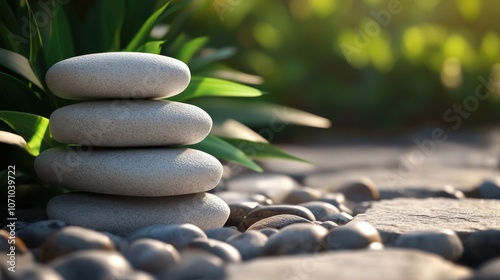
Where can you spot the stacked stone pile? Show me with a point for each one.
(126, 162)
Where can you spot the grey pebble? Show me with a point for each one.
(223, 250)
(222, 233)
(38, 272)
(238, 211)
(151, 255)
(296, 239)
(278, 222)
(93, 264)
(249, 244)
(272, 210)
(352, 236)
(360, 190)
(489, 189)
(178, 235)
(488, 271)
(35, 234)
(195, 264)
(341, 218)
(481, 247)
(337, 200)
(322, 211)
(121, 243)
(268, 231)
(302, 195)
(445, 242)
(70, 239)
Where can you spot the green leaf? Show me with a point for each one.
(36, 58)
(61, 40)
(189, 49)
(34, 129)
(15, 95)
(112, 17)
(257, 113)
(151, 47)
(143, 34)
(215, 55)
(259, 150)
(19, 65)
(203, 86)
(8, 17)
(223, 150)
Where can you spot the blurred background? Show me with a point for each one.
(382, 66)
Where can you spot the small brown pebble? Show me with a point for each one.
(272, 210)
(278, 222)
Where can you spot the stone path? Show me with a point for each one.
(394, 217)
(389, 264)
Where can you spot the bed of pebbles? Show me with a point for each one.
(278, 229)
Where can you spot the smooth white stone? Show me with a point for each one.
(134, 172)
(118, 75)
(124, 214)
(127, 123)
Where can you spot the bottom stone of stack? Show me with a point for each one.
(124, 214)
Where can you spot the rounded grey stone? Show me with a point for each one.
(352, 236)
(488, 271)
(360, 190)
(322, 211)
(118, 75)
(341, 218)
(223, 250)
(272, 210)
(130, 123)
(151, 255)
(295, 239)
(329, 225)
(249, 244)
(124, 214)
(195, 264)
(489, 189)
(38, 272)
(178, 235)
(71, 239)
(221, 234)
(93, 264)
(302, 195)
(481, 247)
(445, 243)
(35, 234)
(278, 222)
(238, 211)
(132, 172)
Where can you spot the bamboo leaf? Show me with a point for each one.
(189, 49)
(143, 34)
(260, 150)
(223, 150)
(211, 57)
(153, 47)
(61, 39)
(19, 65)
(34, 129)
(203, 86)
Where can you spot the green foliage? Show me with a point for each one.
(30, 44)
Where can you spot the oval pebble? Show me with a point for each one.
(224, 251)
(118, 75)
(295, 239)
(178, 236)
(329, 225)
(272, 210)
(302, 195)
(249, 244)
(70, 239)
(195, 264)
(445, 243)
(278, 222)
(130, 123)
(341, 218)
(151, 255)
(352, 236)
(35, 234)
(124, 214)
(360, 190)
(238, 211)
(121, 171)
(481, 247)
(221, 234)
(93, 264)
(322, 211)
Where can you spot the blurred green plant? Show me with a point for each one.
(36, 35)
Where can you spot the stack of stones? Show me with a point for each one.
(126, 163)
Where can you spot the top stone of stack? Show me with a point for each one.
(118, 75)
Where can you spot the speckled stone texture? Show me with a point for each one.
(118, 75)
(466, 216)
(128, 123)
(132, 172)
(389, 264)
(123, 214)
